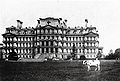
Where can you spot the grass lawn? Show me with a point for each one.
(58, 71)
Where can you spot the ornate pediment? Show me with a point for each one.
(91, 34)
(49, 27)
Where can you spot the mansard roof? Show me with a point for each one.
(75, 30)
(8, 34)
(52, 21)
(49, 23)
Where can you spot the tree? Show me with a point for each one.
(99, 55)
(117, 53)
(112, 55)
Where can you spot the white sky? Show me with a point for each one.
(104, 14)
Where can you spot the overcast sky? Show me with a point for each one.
(103, 14)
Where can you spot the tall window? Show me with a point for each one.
(47, 50)
(42, 43)
(42, 50)
(52, 37)
(56, 50)
(47, 43)
(80, 38)
(51, 43)
(51, 50)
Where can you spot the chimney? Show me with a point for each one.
(38, 21)
(19, 24)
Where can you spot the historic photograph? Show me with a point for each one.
(59, 40)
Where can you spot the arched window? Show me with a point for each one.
(59, 31)
(76, 44)
(80, 38)
(76, 38)
(67, 44)
(88, 56)
(79, 50)
(42, 50)
(52, 31)
(43, 30)
(52, 37)
(73, 38)
(94, 50)
(89, 51)
(29, 50)
(21, 38)
(26, 50)
(26, 44)
(96, 38)
(38, 31)
(91, 56)
(85, 50)
(18, 50)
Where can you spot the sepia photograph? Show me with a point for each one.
(59, 40)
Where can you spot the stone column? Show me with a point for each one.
(44, 50)
(20, 50)
(49, 50)
(48, 43)
(40, 50)
(44, 43)
(54, 50)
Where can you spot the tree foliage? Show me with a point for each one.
(115, 55)
(99, 55)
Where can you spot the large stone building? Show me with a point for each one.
(51, 37)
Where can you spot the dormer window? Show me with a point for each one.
(48, 22)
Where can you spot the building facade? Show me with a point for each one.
(1, 51)
(51, 37)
